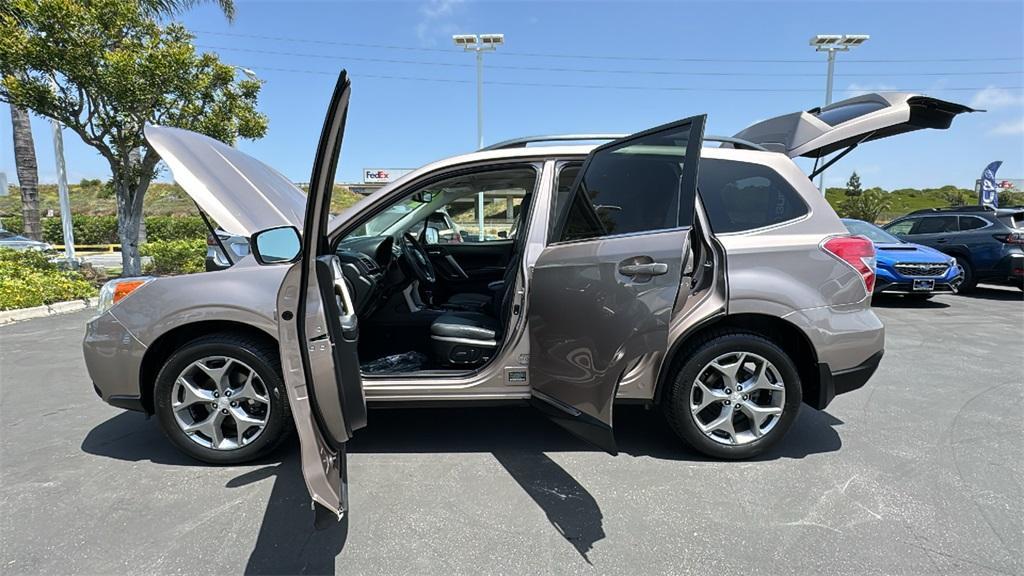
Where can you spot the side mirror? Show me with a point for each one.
(276, 245)
(432, 235)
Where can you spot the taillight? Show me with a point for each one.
(858, 252)
(1011, 238)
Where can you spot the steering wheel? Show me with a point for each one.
(416, 258)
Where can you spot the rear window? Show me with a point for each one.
(1013, 220)
(972, 223)
(743, 196)
(847, 112)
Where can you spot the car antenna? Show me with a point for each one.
(213, 232)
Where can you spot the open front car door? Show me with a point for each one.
(603, 290)
(319, 333)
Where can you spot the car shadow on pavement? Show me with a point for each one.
(1003, 293)
(897, 301)
(519, 438)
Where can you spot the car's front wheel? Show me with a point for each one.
(221, 399)
(735, 395)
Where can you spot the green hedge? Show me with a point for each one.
(28, 279)
(175, 256)
(103, 229)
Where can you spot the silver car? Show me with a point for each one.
(726, 299)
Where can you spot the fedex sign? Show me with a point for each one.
(383, 175)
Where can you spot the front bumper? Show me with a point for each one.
(831, 384)
(887, 280)
(113, 358)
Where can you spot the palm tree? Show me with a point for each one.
(28, 172)
(168, 7)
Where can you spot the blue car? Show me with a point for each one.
(906, 268)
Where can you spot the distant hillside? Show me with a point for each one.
(92, 197)
(906, 200)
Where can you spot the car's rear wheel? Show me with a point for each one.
(968, 282)
(221, 399)
(735, 396)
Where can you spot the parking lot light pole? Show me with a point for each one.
(479, 44)
(830, 44)
(62, 187)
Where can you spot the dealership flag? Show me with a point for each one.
(989, 195)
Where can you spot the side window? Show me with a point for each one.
(629, 188)
(456, 217)
(903, 227)
(971, 223)
(743, 196)
(563, 188)
(936, 225)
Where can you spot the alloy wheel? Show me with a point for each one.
(737, 398)
(220, 403)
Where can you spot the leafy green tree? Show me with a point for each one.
(116, 68)
(867, 207)
(853, 185)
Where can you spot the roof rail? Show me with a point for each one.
(966, 208)
(523, 142)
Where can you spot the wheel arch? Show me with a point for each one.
(161, 349)
(783, 333)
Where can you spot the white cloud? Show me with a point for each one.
(992, 97)
(435, 20)
(1009, 128)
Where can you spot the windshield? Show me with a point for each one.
(873, 233)
(381, 222)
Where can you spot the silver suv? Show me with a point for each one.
(591, 276)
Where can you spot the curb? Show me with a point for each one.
(11, 316)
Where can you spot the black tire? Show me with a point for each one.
(676, 405)
(969, 282)
(261, 357)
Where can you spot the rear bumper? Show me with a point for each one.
(832, 383)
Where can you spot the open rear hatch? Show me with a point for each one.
(847, 123)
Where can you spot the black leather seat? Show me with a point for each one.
(476, 302)
(464, 338)
(470, 301)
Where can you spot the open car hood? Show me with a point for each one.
(240, 193)
(821, 131)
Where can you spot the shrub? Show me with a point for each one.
(164, 228)
(176, 256)
(28, 279)
(103, 229)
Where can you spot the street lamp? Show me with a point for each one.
(832, 43)
(479, 44)
(62, 187)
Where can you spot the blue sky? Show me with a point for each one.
(415, 101)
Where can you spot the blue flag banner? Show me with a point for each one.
(988, 195)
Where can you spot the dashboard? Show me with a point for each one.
(368, 263)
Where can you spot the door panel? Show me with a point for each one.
(601, 296)
(316, 317)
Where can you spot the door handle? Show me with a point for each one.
(940, 241)
(649, 269)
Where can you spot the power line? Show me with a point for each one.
(611, 56)
(598, 70)
(602, 86)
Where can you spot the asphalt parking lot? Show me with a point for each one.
(918, 473)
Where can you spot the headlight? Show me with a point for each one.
(117, 290)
